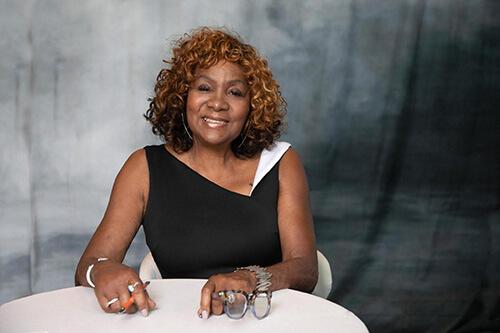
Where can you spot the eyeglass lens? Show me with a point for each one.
(236, 305)
(261, 306)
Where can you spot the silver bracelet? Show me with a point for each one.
(89, 269)
(262, 274)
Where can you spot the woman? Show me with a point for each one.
(221, 193)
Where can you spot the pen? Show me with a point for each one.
(131, 299)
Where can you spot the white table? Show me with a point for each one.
(76, 310)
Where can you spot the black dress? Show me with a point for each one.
(196, 228)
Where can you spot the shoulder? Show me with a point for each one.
(292, 175)
(293, 185)
(135, 169)
(283, 153)
(273, 154)
(137, 159)
(140, 158)
(277, 148)
(291, 163)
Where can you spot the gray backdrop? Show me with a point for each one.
(393, 106)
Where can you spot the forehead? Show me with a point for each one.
(222, 69)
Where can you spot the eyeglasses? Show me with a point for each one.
(237, 302)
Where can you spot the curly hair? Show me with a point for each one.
(203, 48)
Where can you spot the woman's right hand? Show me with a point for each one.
(111, 281)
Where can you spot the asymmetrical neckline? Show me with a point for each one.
(205, 179)
(268, 158)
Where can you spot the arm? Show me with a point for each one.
(116, 231)
(299, 267)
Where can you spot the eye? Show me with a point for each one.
(203, 87)
(236, 92)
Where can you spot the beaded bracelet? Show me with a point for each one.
(262, 274)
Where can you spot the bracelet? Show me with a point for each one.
(262, 274)
(89, 269)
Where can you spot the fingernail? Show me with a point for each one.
(204, 314)
(144, 312)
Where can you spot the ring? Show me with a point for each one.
(218, 294)
(131, 287)
(111, 301)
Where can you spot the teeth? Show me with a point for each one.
(213, 121)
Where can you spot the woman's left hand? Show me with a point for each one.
(238, 280)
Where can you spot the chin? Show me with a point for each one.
(215, 140)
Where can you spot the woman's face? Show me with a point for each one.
(218, 104)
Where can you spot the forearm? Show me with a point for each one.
(297, 273)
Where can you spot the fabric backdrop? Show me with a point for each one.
(393, 106)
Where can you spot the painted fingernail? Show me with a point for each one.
(144, 312)
(204, 314)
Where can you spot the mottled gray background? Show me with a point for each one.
(393, 105)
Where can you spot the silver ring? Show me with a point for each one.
(131, 287)
(112, 301)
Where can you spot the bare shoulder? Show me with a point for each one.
(291, 165)
(292, 176)
(134, 175)
(138, 158)
(136, 164)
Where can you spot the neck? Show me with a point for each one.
(211, 157)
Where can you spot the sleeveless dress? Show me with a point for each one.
(196, 228)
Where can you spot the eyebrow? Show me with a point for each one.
(229, 82)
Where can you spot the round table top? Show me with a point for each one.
(76, 310)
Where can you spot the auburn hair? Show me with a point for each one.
(203, 48)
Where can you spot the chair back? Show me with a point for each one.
(325, 280)
(149, 270)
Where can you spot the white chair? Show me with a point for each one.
(325, 281)
(149, 271)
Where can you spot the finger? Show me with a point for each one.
(141, 300)
(206, 299)
(103, 302)
(151, 304)
(114, 306)
(217, 306)
(125, 301)
(108, 302)
(111, 302)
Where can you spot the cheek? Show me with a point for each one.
(195, 100)
(244, 110)
(190, 103)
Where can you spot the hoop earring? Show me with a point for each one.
(242, 141)
(185, 127)
(245, 129)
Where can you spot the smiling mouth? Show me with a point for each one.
(214, 122)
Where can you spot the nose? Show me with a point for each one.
(218, 102)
